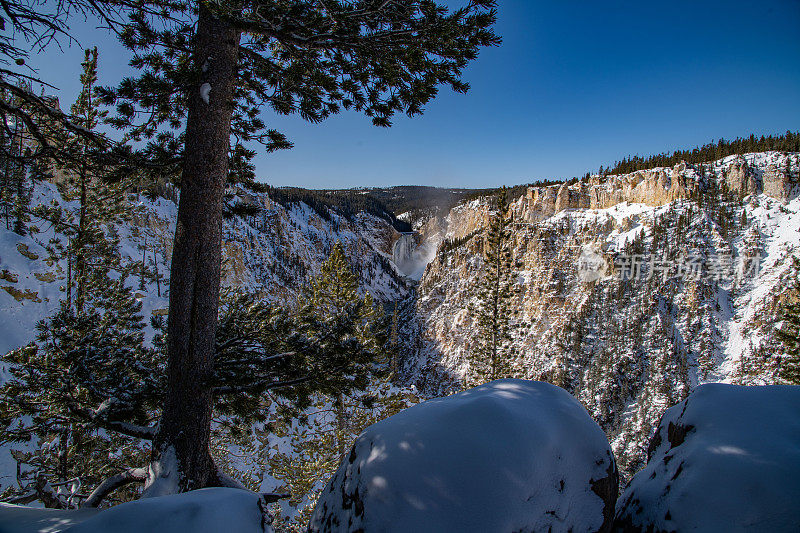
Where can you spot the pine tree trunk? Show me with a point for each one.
(80, 252)
(181, 459)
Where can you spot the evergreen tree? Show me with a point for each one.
(789, 332)
(495, 313)
(788, 142)
(100, 204)
(205, 75)
(348, 327)
(15, 183)
(344, 328)
(91, 390)
(313, 446)
(88, 381)
(31, 28)
(394, 332)
(87, 390)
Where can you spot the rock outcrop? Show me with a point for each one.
(741, 178)
(725, 459)
(651, 187)
(511, 455)
(777, 183)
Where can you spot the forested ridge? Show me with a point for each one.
(788, 142)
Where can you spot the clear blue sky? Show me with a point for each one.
(574, 85)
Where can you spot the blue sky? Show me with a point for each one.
(575, 85)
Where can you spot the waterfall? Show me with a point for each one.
(404, 249)
(410, 258)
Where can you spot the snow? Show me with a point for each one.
(20, 519)
(205, 92)
(737, 469)
(163, 476)
(779, 227)
(510, 455)
(33, 298)
(217, 510)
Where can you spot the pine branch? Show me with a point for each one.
(98, 418)
(131, 475)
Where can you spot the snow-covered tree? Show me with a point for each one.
(86, 392)
(495, 313)
(789, 331)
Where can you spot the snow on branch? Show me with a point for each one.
(131, 475)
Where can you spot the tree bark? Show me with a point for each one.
(181, 460)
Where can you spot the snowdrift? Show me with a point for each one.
(511, 455)
(725, 459)
(201, 511)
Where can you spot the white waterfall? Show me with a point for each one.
(404, 248)
(410, 258)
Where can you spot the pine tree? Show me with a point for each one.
(495, 313)
(346, 325)
(15, 144)
(394, 339)
(92, 389)
(346, 333)
(100, 204)
(88, 383)
(87, 390)
(313, 446)
(789, 332)
(301, 57)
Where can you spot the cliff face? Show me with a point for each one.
(740, 175)
(628, 348)
(658, 187)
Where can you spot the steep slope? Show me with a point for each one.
(633, 289)
(271, 253)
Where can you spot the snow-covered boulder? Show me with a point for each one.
(215, 510)
(725, 459)
(23, 519)
(511, 455)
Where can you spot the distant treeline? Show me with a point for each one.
(788, 142)
(515, 191)
(421, 199)
(347, 203)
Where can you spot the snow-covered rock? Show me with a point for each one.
(511, 455)
(626, 348)
(215, 510)
(725, 459)
(22, 519)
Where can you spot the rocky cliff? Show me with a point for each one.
(715, 242)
